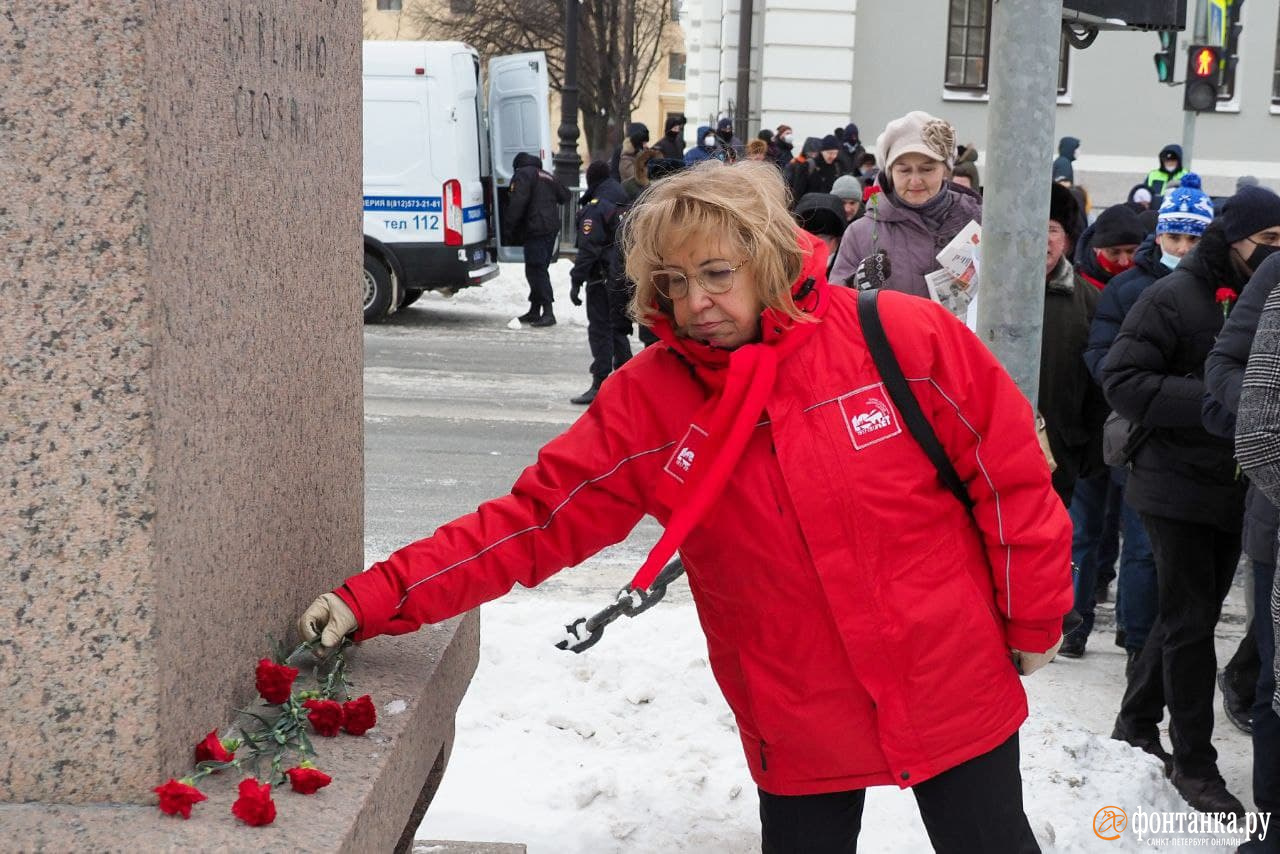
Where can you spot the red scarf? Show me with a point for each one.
(741, 382)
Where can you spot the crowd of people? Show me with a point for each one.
(1158, 413)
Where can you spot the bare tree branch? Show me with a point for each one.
(611, 32)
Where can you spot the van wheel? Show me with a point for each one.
(410, 296)
(377, 289)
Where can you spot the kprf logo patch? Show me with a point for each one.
(686, 452)
(868, 416)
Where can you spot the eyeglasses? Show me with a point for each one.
(674, 284)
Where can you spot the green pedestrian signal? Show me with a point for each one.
(1166, 59)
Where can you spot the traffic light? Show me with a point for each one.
(1204, 62)
(1166, 59)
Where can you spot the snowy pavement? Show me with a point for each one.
(629, 747)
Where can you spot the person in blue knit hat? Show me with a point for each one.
(1184, 215)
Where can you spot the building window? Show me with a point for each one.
(969, 46)
(462, 7)
(389, 5)
(1275, 77)
(675, 10)
(675, 66)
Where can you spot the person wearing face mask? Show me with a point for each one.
(1184, 484)
(1183, 218)
(731, 144)
(708, 147)
(671, 145)
(1106, 248)
(1168, 173)
(915, 213)
(785, 139)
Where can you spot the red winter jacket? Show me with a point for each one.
(857, 621)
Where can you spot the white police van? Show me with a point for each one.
(437, 164)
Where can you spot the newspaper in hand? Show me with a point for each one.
(956, 284)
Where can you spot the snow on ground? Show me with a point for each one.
(629, 747)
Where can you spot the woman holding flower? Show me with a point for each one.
(865, 627)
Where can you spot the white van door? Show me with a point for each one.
(519, 120)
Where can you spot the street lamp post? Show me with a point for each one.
(568, 165)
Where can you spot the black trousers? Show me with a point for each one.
(608, 327)
(974, 808)
(539, 252)
(1178, 666)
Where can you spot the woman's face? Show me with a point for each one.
(916, 178)
(726, 320)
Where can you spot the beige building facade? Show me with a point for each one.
(663, 95)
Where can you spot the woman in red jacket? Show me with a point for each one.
(865, 627)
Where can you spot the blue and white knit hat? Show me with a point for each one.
(1186, 209)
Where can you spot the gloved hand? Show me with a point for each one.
(575, 293)
(872, 272)
(328, 618)
(1029, 662)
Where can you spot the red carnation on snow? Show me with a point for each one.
(325, 716)
(359, 716)
(275, 681)
(306, 779)
(213, 750)
(254, 806)
(177, 798)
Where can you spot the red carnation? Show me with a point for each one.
(306, 780)
(212, 750)
(869, 191)
(1224, 295)
(275, 681)
(177, 798)
(359, 715)
(325, 716)
(254, 806)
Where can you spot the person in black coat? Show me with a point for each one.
(1183, 217)
(532, 217)
(1184, 484)
(1224, 379)
(599, 267)
(672, 143)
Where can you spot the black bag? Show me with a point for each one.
(913, 416)
(1121, 439)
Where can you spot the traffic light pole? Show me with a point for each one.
(1025, 35)
(1188, 136)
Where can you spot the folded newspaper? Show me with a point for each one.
(956, 284)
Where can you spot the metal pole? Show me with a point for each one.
(742, 109)
(568, 165)
(1188, 136)
(1020, 124)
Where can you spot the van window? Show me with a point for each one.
(398, 145)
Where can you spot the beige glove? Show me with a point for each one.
(328, 618)
(1029, 662)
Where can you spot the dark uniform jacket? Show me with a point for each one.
(534, 206)
(599, 256)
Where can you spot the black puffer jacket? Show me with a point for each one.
(1154, 375)
(534, 206)
(1223, 376)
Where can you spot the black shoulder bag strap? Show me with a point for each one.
(904, 399)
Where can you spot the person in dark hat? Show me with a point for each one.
(851, 150)
(822, 215)
(672, 143)
(820, 171)
(1185, 483)
(1070, 401)
(532, 218)
(731, 144)
(1106, 248)
(623, 167)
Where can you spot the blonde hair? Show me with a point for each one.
(757, 146)
(744, 204)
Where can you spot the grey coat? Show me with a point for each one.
(903, 234)
(1258, 427)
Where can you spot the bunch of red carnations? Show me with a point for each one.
(276, 732)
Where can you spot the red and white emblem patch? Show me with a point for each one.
(869, 416)
(686, 452)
